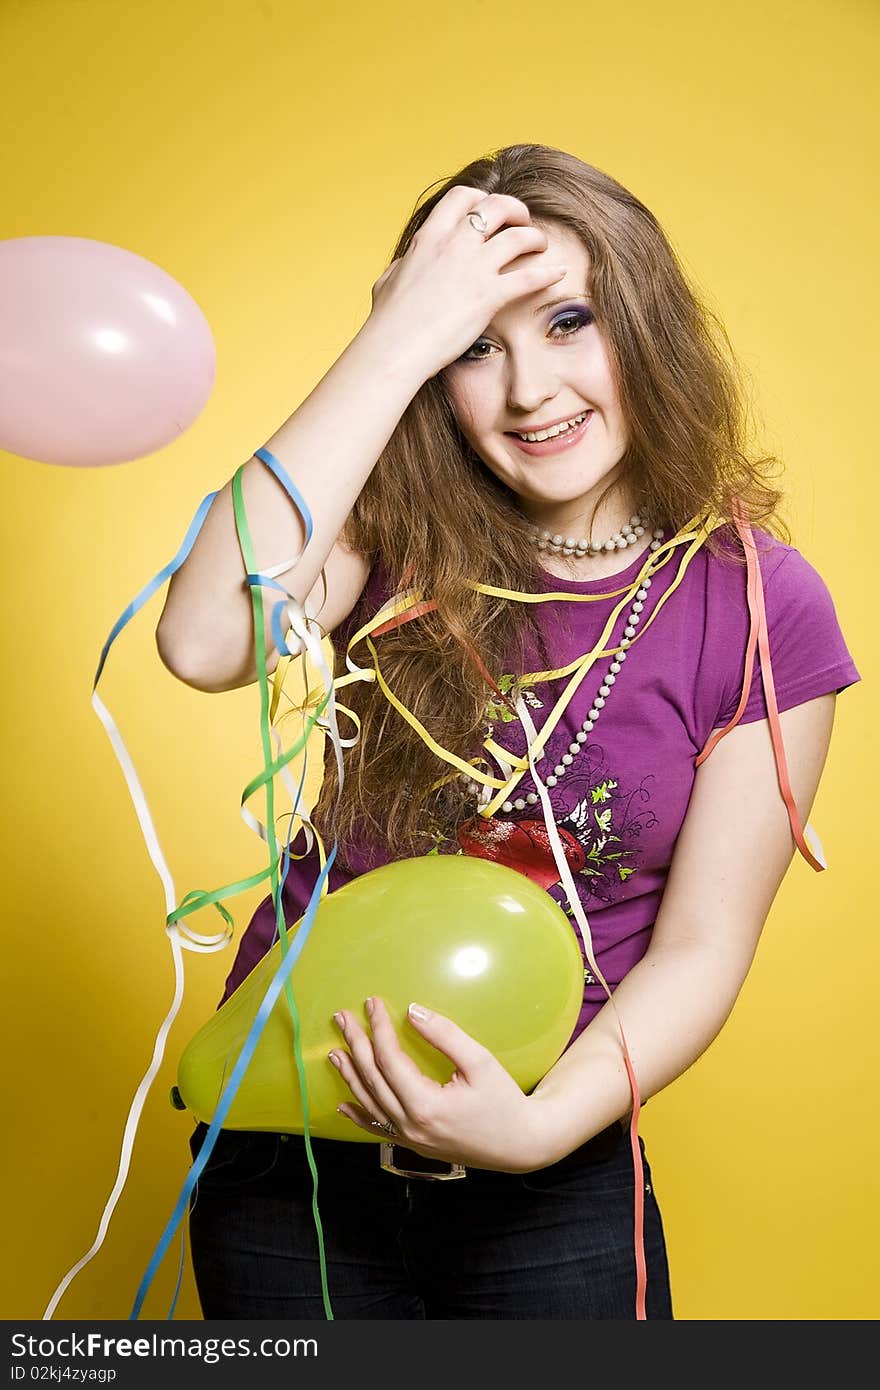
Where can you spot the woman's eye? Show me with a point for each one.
(580, 320)
(576, 320)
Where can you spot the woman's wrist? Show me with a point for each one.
(396, 354)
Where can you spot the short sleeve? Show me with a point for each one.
(808, 653)
(375, 592)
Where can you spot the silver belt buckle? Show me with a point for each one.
(387, 1162)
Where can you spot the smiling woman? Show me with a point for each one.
(549, 410)
(545, 386)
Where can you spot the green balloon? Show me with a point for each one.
(467, 937)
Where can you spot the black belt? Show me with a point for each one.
(406, 1163)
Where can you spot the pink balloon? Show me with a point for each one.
(104, 358)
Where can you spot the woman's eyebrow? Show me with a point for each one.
(563, 299)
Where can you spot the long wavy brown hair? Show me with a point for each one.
(430, 502)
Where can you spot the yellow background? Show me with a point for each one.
(266, 155)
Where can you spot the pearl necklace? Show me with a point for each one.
(486, 793)
(628, 534)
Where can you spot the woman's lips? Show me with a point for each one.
(555, 445)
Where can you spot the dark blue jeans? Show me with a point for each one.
(554, 1243)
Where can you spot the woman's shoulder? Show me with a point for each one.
(771, 552)
(380, 586)
(791, 582)
(808, 648)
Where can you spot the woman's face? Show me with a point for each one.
(531, 367)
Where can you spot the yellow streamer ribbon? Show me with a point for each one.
(692, 535)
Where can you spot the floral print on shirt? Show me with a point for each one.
(600, 818)
(600, 824)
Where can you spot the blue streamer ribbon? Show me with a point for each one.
(278, 982)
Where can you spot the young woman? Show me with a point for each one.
(537, 403)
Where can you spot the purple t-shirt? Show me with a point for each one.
(622, 800)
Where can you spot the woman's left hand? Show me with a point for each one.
(481, 1117)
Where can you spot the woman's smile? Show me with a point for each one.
(566, 440)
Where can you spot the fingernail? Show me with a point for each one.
(416, 1011)
(334, 1058)
(368, 1005)
(339, 1020)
